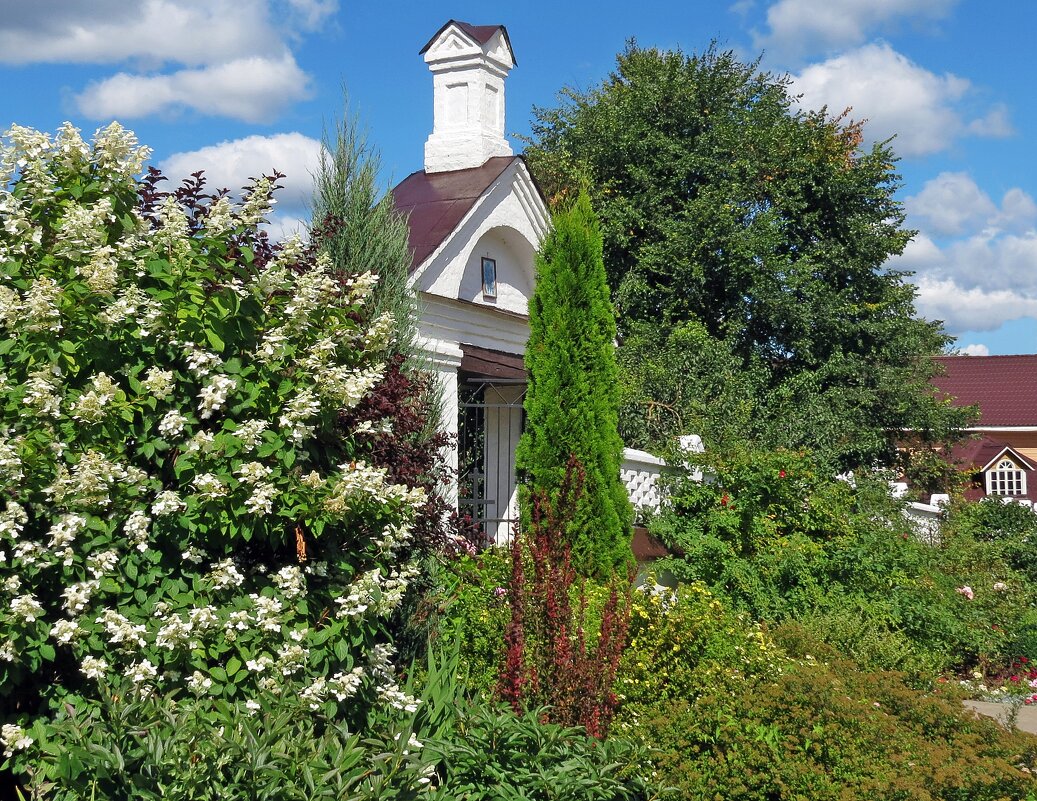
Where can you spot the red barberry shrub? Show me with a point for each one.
(549, 660)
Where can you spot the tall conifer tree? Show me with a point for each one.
(573, 397)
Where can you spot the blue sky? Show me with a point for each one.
(240, 86)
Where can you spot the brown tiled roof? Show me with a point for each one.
(437, 202)
(972, 455)
(978, 452)
(481, 33)
(1004, 387)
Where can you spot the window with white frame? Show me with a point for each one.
(1006, 479)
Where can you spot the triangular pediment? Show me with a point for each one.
(451, 41)
(1010, 453)
(461, 39)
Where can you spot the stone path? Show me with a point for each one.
(1027, 720)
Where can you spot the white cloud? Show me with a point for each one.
(312, 13)
(974, 309)
(251, 89)
(952, 203)
(995, 124)
(990, 260)
(800, 26)
(189, 32)
(230, 165)
(978, 349)
(895, 96)
(1018, 211)
(221, 57)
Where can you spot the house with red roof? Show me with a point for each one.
(1002, 454)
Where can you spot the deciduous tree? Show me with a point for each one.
(722, 202)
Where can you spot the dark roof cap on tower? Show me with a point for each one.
(481, 33)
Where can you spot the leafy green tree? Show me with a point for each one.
(573, 395)
(720, 202)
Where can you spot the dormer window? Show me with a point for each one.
(1006, 479)
(489, 277)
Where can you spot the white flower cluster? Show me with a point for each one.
(63, 533)
(158, 382)
(182, 630)
(42, 388)
(121, 631)
(359, 482)
(93, 667)
(261, 501)
(27, 608)
(91, 481)
(171, 426)
(340, 686)
(226, 575)
(214, 395)
(167, 502)
(65, 631)
(90, 406)
(290, 581)
(39, 308)
(14, 738)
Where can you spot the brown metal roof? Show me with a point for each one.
(486, 363)
(481, 33)
(437, 202)
(1004, 387)
(645, 546)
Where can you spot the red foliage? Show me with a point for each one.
(547, 659)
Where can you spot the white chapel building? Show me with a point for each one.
(476, 221)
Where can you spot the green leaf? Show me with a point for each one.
(214, 340)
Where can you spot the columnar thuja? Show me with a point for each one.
(179, 507)
(548, 660)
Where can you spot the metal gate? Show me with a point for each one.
(490, 422)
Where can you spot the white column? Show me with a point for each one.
(445, 359)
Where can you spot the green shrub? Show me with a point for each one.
(682, 642)
(495, 755)
(572, 400)
(181, 502)
(473, 613)
(779, 540)
(825, 732)
(201, 748)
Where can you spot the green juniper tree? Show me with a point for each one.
(573, 396)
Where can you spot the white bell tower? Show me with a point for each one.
(469, 64)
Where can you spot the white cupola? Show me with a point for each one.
(469, 64)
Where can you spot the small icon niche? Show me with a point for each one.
(489, 277)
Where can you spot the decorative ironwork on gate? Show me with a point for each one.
(490, 422)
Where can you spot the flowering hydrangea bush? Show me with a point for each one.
(179, 505)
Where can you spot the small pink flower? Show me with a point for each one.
(966, 591)
(500, 592)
